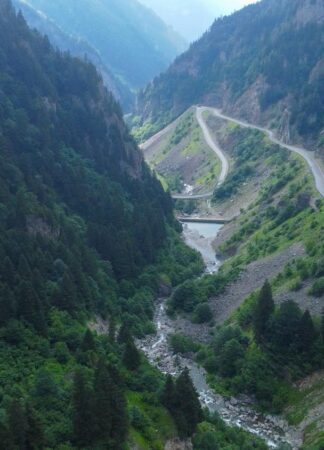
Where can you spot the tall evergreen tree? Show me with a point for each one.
(35, 433)
(17, 425)
(88, 342)
(263, 311)
(103, 402)
(29, 307)
(306, 332)
(7, 304)
(188, 410)
(83, 419)
(131, 356)
(168, 395)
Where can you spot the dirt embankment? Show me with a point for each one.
(251, 279)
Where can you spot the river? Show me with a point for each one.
(234, 411)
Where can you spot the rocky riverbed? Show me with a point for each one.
(234, 411)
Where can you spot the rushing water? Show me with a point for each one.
(238, 412)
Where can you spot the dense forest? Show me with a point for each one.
(86, 230)
(78, 47)
(263, 63)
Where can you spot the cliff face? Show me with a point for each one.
(264, 63)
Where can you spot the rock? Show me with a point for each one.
(177, 444)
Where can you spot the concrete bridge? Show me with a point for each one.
(214, 219)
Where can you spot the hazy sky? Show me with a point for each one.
(192, 17)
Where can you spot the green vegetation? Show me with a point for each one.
(184, 157)
(133, 43)
(284, 345)
(181, 399)
(271, 56)
(214, 434)
(87, 232)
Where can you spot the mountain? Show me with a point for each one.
(87, 235)
(77, 47)
(183, 14)
(126, 39)
(264, 64)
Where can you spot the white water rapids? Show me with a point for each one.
(234, 411)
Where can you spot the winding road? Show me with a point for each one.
(308, 156)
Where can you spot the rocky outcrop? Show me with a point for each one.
(177, 444)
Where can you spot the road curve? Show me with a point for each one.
(308, 156)
(219, 153)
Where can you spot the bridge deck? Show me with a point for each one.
(220, 219)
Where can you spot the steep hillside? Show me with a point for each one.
(264, 63)
(131, 40)
(78, 47)
(82, 221)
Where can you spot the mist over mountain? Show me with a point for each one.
(191, 18)
(126, 40)
(264, 63)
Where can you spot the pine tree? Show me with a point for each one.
(8, 272)
(322, 326)
(168, 395)
(306, 332)
(263, 311)
(29, 307)
(124, 334)
(68, 297)
(83, 419)
(188, 408)
(103, 402)
(112, 329)
(34, 433)
(88, 342)
(7, 304)
(17, 425)
(119, 419)
(131, 356)
(24, 269)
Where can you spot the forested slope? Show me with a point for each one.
(82, 221)
(264, 63)
(130, 39)
(78, 47)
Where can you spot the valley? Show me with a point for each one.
(270, 264)
(162, 229)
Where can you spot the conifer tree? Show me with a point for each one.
(83, 419)
(263, 311)
(8, 272)
(188, 408)
(29, 307)
(168, 395)
(68, 298)
(306, 332)
(103, 404)
(34, 433)
(88, 342)
(131, 357)
(7, 304)
(124, 334)
(17, 425)
(112, 329)
(119, 419)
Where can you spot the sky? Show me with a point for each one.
(192, 17)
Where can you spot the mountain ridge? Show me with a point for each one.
(125, 39)
(275, 79)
